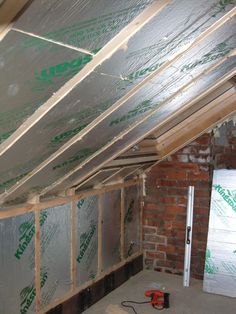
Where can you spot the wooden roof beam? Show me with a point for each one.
(8, 11)
(105, 53)
(186, 131)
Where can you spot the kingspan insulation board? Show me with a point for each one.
(97, 178)
(86, 239)
(55, 240)
(220, 264)
(45, 66)
(85, 23)
(159, 90)
(132, 220)
(29, 78)
(120, 175)
(111, 229)
(162, 113)
(79, 108)
(17, 280)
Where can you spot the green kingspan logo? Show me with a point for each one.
(210, 268)
(28, 294)
(86, 152)
(219, 51)
(129, 213)
(85, 240)
(27, 232)
(145, 106)
(227, 195)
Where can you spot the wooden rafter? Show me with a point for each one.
(187, 130)
(137, 124)
(105, 53)
(78, 137)
(8, 11)
(164, 122)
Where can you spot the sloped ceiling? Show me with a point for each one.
(96, 91)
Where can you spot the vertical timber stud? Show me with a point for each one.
(188, 237)
(122, 226)
(37, 253)
(73, 221)
(100, 222)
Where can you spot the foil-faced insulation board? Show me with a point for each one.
(29, 77)
(220, 263)
(85, 23)
(96, 179)
(86, 239)
(162, 114)
(115, 77)
(132, 220)
(160, 90)
(55, 240)
(17, 280)
(111, 229)
(120, 175)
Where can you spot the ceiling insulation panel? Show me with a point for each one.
(96, 179)
(162, 114)
(175, 57)
(25, 83)
(121, 175)
(157, 93)
(84, 24)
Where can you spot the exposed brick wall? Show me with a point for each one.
(224, 147)
(166, 200)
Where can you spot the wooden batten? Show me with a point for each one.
(37, 253)
(73, 222)
(122, 227)
(8, 11)
(178, 112)
(105, 53)
(100, 222)
(187, 131)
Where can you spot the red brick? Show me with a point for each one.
(198, 176)
(176, 175)
(155, 239)
(149, 230)
(156, 255)
(149, 246)
(176, 209)
(168, 200)
(167, 248)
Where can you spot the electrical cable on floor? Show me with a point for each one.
(133, 302)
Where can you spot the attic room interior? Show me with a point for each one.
(117, 156)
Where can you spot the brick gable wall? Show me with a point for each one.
(164, 216)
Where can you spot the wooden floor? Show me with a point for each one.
(190, 300)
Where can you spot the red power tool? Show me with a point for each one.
(159, 299)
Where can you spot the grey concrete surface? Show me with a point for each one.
(190, 300)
